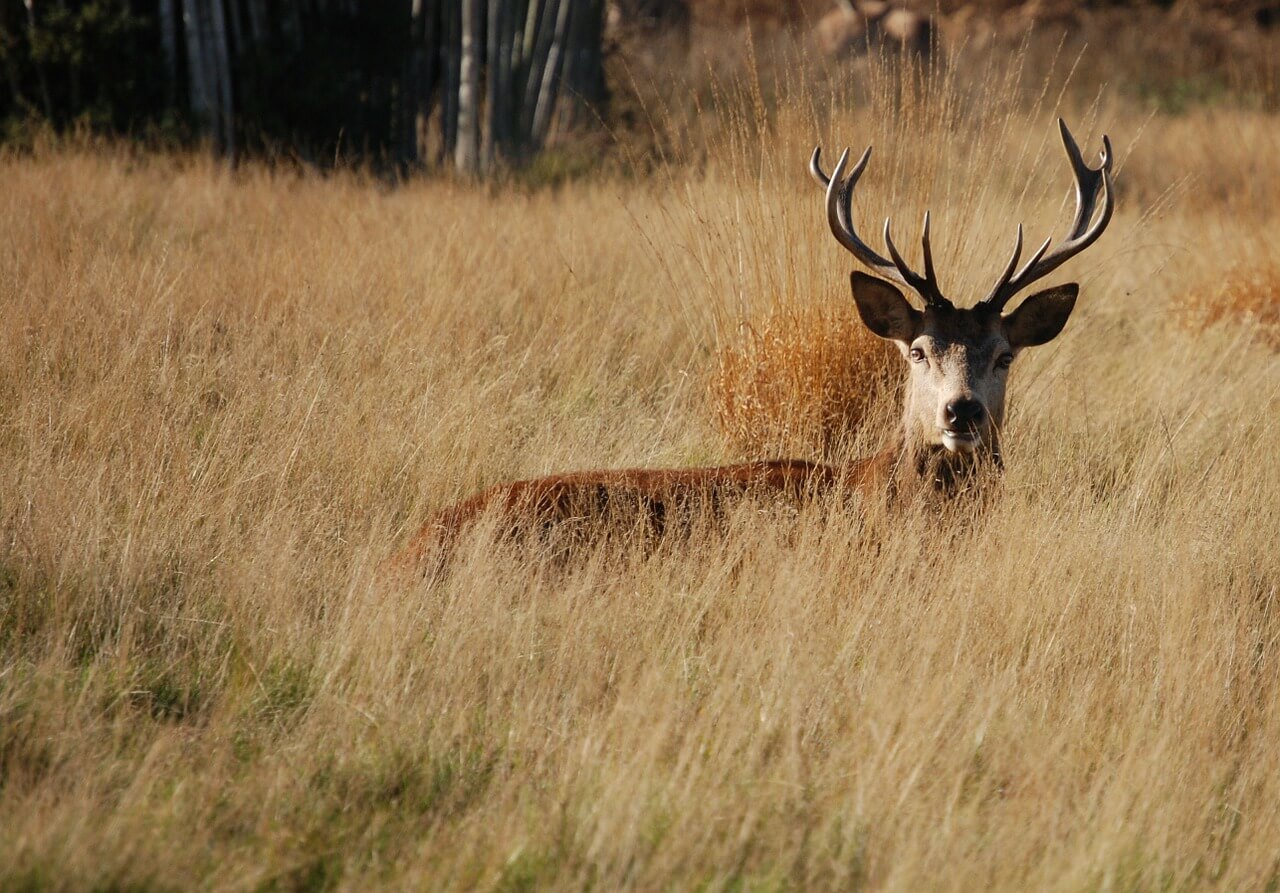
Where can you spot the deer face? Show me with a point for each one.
(959, 360)
(960, 357)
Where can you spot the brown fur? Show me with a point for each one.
(657, 497)
(654, 496)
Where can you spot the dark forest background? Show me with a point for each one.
(398, 81)
(463, 84)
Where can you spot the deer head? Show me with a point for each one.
(959, 357)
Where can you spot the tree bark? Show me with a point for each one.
(537, 48)
(495, 88)
(466, 153)
(550, 87)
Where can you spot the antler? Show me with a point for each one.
(840, 218)
(1082, 235)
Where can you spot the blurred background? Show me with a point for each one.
(553, 88)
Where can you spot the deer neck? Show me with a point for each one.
(930, 468)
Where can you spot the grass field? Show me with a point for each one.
(226, 399)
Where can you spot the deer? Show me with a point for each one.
(958, 362)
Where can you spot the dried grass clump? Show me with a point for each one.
(800, 381)
(1249, 296)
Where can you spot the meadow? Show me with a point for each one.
(226, 398)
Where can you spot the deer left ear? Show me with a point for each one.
(1041, 317)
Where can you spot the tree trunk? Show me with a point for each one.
(537, 48)
(550, 87)
(583, 78)
(413, 86)
(221, 59)
(495, 86)
(532, 24)
(466, 153)
(432, 59)
(449, 102)
(507, 92)
(200, 98)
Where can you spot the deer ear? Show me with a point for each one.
(1041, 317)
(884, 310)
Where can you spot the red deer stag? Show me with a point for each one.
(958, 362)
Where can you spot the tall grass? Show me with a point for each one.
(225, 400)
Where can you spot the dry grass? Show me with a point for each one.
(798, 384)
(224, 400)
(1249, 297)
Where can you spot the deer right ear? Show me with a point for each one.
(1040, 318)
(884, 310)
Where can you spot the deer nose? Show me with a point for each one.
(962, 414)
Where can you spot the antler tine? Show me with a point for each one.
(929, 272)
(1090, 185)
(926, 286)
(815, 167)
(846, 190)
(839, 189)
(1012, 265)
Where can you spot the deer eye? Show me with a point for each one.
(1005, 361)
(917, 355)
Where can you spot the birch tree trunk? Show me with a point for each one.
(495, 88)
(550, 87)
(508, 71)
(537, 51)
(466, 154)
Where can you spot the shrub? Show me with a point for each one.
(800, 381)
